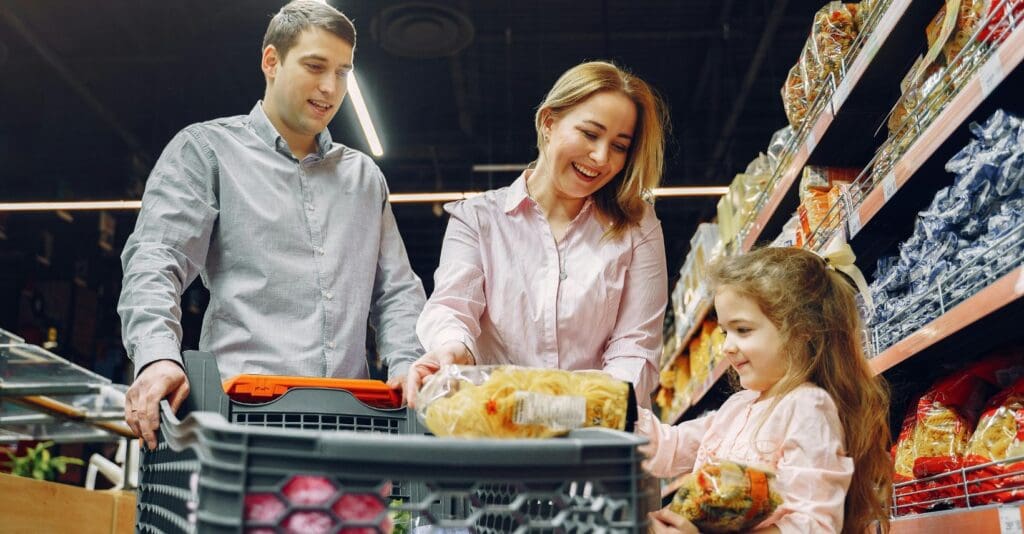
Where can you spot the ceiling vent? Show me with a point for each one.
(422, 30)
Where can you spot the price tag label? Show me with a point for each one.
(889, 185)
(811, 143)
(1009, 520)
(990, 75)
(854, 223)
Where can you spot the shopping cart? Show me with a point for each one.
(210, 474)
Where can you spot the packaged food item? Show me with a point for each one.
(726, 497)
(520, 402)
(777, 147)
(863, 12)
(970, 17)
(1000, 434)
(832, 34)
(812, 73)
(794, 97)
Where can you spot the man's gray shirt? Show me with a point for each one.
(299, 257)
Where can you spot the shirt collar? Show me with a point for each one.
(266, 131)
(518, 194)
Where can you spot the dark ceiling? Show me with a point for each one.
(92, 91)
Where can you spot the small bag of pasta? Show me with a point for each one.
(521, 402)
(725, 496)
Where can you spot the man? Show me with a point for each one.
(292, 234)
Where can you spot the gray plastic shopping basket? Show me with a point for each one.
(243, 478)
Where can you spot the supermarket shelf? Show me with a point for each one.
(999, 66)
(850, 106)
(985, 520)
(716, 374)
(698, 319)
(1003, 291)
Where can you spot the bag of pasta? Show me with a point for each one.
(1000, 435)
(726, 497)
(946, 416)
(832, 33)
(521, 402)
(906, 496)
(794, 97)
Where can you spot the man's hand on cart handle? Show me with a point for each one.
(451, 353)
(162, 379)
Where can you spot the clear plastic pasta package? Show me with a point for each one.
(777, 147)
(794, 97)
(832, 35)
(507, 401)
(998, 436)
(863, 12)
(725, 496)
(811, 70)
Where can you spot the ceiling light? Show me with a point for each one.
(364, 116)
(395, 198)
(409, 198)
(692, 191)
(71, 206)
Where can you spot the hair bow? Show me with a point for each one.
(839, 257)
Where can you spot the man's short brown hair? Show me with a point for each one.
(300, 15)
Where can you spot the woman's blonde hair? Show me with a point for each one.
(621, 200)
(815, 310)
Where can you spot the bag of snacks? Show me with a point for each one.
(726, 497)
(832, 34)
(794, 97)
(521, 402)
(863, 12)
(999, 435)
(810, 69)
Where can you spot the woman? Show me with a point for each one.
(565, 268)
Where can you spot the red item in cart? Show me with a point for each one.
(264, 388)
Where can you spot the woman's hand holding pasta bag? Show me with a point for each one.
(451, 353)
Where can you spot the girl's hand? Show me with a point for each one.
(668, 522)
(451, 353)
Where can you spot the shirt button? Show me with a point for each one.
(328, 295)
(562, 275)
(330, 344)
(309, 207)
(320, 250)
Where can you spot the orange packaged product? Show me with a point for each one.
(265, 388)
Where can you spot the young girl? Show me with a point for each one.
(810, 409)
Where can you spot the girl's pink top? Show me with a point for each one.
(801, 440)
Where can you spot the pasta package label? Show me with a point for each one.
(521, 402)
(725, 496)
(557, 412)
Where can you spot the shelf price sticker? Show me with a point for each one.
(852, 216)
(990, 74)
(1009, 520)
(889, 185)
